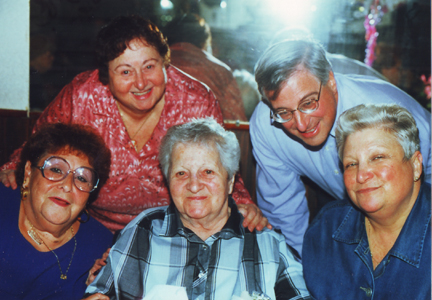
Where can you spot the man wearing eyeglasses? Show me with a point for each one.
(304, 99)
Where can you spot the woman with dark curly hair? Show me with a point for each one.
(132, 100)
(49, 254)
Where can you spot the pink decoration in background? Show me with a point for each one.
(371, 20)
(427, 83)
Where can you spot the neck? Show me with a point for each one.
(204, 228)
(54, 237)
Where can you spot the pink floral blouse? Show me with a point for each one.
(136, 181)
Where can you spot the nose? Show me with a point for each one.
(194, 184)
(300, 121)
(68, 182)
(363, 173)
(140, 80)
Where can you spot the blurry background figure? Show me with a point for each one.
(42, 91)
(189, 38)
(340, 63)
(248, 89)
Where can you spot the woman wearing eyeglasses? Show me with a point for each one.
(48, 242)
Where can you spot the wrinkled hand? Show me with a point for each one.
(97, 296)
(7, 177)
(253, 217)
(99, 263)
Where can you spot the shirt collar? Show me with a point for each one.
(172, 224)
(410, 243)
(340, 108)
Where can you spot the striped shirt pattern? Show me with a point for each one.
(156, 249)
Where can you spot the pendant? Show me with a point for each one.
(34, 237)
(134, 145)
(63, 276)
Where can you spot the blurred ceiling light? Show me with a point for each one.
(292, 12)
(166, 4)
(223, 4)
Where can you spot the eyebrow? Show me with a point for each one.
(143, 63)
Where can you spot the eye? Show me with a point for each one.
(308, 104)
(148, 67)
(55, 170)
(209, 172)
(377, 157)
(350, 165)
(82, 179)
(181, 173)
(126, 72)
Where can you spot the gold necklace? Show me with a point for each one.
(38, 240)
(134, 143)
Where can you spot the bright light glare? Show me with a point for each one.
(223, 4)
(292, 12)
(166, 4)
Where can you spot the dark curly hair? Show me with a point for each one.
(74, 138)
(113, 39)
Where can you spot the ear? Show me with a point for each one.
(331, 83)
(417, 163)
(27, 173)
(231, 185)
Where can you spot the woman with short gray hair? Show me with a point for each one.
(389, 117)
(197, 245)
(378, 244)
(205, 132)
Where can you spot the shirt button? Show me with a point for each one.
(336, 172)
(205, 247)
(368, 291)
(200, 274)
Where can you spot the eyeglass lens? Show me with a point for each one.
(57, 169)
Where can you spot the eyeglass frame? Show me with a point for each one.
(274, 118)
(42, 169)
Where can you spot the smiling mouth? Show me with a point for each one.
(141, 93)
(59, 201)
(367, 190)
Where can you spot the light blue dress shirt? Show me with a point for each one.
(281, 160)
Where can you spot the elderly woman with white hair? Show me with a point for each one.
(198, 243)
(378, 245)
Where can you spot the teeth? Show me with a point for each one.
(143, 93)
(310, 130)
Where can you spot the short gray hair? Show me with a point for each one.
(282, 59)
(205, 132)
(392, 118)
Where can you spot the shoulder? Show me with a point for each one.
(10, 200)
(95, 233)
(329, 217)
(87, 77)
(182, 82)
(146, 218)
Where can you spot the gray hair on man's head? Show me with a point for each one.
(282, 59)
(392, 118)
(205, 132)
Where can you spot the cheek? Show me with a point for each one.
(118, 86)
(349, 180)
(158, 79)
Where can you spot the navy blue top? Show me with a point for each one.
(337, 263)
(26, 273)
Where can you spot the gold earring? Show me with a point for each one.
(24, 193)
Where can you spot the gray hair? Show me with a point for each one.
(205, 132)
(392, 118)
(282, 59)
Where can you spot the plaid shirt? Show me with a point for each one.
(155, 249)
